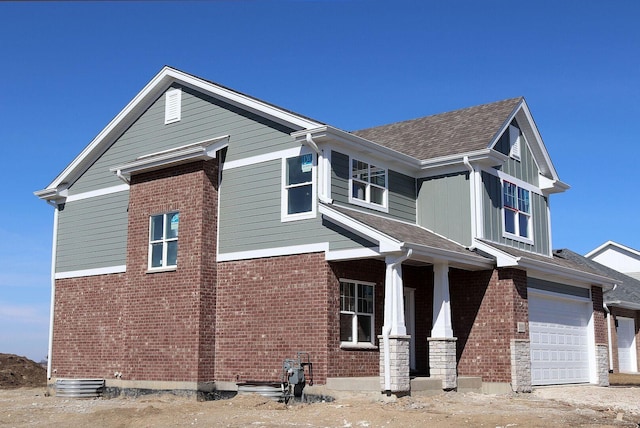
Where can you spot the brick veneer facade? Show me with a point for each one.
(148, 326)
(486, 308)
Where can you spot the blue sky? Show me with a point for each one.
(68, 68)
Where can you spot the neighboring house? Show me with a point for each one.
(622, 303)
(618, 257)
(204, 236)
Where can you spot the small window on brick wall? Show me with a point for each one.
(356, 312)
(163, 240)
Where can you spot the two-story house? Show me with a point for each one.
(204, 235)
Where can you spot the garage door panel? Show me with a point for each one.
(558, 332)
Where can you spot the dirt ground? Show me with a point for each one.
(585, 406)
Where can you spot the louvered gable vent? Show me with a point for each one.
(172, 106)
(514, 142)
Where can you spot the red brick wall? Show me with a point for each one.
(599, 316)
(349, 362)
(486, 307)
(148, 326)
(268, 309)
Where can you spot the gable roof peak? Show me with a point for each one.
(458, 131)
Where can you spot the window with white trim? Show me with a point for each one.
(516, 208)
(356, 312)
(163, 240)
(298, 200)
(368, 184)
(172, 106)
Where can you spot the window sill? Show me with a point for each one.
(295, 217)
(357, 346)
(517, 238)
(361, 203)
(162, 269)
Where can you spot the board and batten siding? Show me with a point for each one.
(250, 215)
(526, 168)
(203, 117)
(444, 206)
(92, 233)
(492, 209)
(401, 189)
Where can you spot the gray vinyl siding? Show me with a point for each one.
(401, 189)
(492, 210)
(92, 233)
(203, 117)
(541, 284)
(444, 206)
(250, 214)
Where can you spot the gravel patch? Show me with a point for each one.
(619, 399)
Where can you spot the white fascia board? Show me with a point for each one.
(549, 186)
(484, 157)
(622, 304)
(441, 255)
(148, 95)
(568, 273)
(202, 150)
(502, 259)
(540, 149)
(611, 244)
(386, 243)
(326, 133)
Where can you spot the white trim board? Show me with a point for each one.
(91, 272)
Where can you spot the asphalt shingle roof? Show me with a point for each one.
(628, 289)
(443, 134)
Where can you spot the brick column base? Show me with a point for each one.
(602, 361)
(442, 361)
(399, 364)
(520, 365)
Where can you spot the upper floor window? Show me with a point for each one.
(368, 184)
(298, 200)
(172, 106)
(356, 312)
(163, 240)
(516, 203)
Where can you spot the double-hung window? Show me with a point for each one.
(516, 210)
(163, 240)
(368, 184)
(298, 200)
(356, 312)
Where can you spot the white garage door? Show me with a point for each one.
(559, 336)
(626, 345)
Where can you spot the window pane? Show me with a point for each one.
(377, 176)
(365, 299)
(346, 327)
(156, 255)
(359, 190)
(173, 220)
(359, 170)
(510, 195)
(524, 225)
(523, 200)
(347, 297)
(172, 253)
(156, 227)
(364, 328)
(299, 170)
(377, 195)
(509, 220)
(299, 199)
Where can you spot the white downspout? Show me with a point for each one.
(390, 292)
(609, 341)
(122, 177)
(54, 246)
(472, 197)
(322, 170)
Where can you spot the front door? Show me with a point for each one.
(626, 345)
(410, 323)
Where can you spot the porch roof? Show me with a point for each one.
(427, 246)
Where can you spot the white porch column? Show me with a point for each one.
(442, 344)
(441, 302)
(394, 355)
